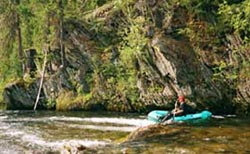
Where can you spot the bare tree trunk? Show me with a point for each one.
(19, 39)
(47, 33)
(62, 48)
(41, 81)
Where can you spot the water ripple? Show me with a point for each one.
(105, 128)
(124, 121)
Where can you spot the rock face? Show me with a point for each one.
(22, 97)
(182, 73)
(243, 97)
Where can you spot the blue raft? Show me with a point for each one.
(157, 115)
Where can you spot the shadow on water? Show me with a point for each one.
(223, 122)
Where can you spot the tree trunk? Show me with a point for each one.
(19, 41)
(41, 81)
(60, 4)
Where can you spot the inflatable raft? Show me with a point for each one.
(157, 115)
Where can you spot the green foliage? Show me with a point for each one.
(208, 22)
(68, 100)
(2, 106)
(51, 103)
(133, 41)
(9, 72)
(245, 71)
(225, 18)
(205, 9)
(7, 28)
(129, 39)
(222, 72)
(65, 100)
(11, 62)
(91, 5)
(236, 16)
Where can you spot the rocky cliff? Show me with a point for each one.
(130, 66)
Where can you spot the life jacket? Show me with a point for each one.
(187, 109)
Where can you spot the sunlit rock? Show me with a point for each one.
(153, 131)
(76, 149)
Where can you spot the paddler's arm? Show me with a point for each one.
(178, 111)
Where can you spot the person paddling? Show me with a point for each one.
(181, 108)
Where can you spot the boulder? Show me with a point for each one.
(76, 149)
(153, 131)
(22, 96)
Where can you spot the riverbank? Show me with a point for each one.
(2, 106)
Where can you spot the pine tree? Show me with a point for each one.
(11, 29)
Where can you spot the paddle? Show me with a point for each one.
(175, 106)
(169, 114)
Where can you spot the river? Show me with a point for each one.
(54, 132)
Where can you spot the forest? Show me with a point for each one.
(125, 55)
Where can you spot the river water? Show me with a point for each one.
(57, 132)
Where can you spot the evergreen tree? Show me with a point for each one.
(11, 29)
